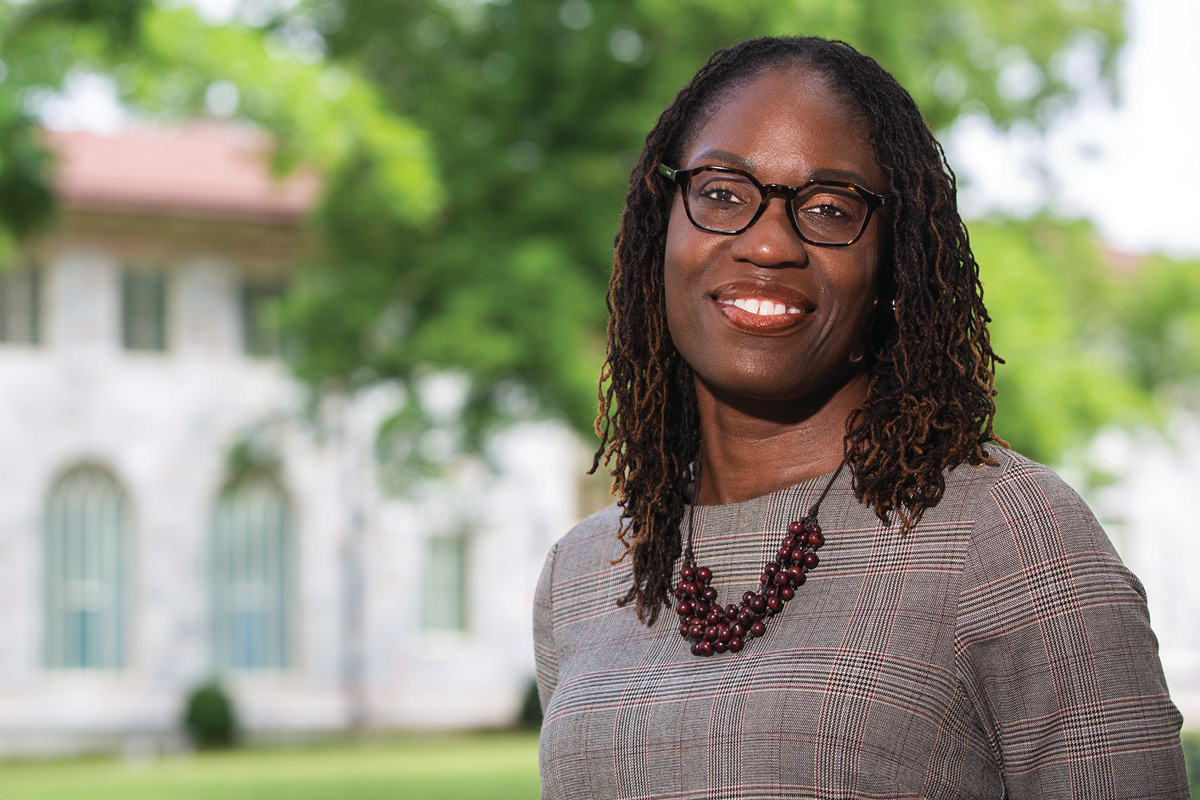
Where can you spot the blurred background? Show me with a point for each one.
(302, 309)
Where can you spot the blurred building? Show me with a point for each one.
(171, 507)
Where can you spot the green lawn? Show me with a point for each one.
(1191, 750)
(484, 767)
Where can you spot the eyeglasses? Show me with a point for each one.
(727, 200)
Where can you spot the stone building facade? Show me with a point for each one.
(169, 511)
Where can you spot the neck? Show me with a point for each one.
(749, 448)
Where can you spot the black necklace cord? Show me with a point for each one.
(689, 554)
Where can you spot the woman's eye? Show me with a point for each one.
(825, 210)
(723, 194)
(831, 207)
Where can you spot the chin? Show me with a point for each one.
(764, 394)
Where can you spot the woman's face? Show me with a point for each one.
(785, 127)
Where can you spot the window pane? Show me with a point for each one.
(144, 310)
(444, 605)
(250, 574)
(19, 305)
(260, 324)
(86, 562)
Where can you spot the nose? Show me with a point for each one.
(772, 240)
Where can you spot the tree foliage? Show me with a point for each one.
(538, 108)
(476, 154)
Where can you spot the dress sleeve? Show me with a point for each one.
(1054, 647)
(544, 650)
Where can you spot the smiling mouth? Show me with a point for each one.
(763, 308)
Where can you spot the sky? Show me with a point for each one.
(1133, 168)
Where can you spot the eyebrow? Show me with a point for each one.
(732, 159)
(741, 162)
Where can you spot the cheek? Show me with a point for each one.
(681, 262)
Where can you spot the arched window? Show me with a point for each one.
(444, 601)
(88, 568)
(251, 577)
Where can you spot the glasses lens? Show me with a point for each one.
(830, 214)
(721, 201)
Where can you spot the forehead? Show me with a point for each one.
(786, 125)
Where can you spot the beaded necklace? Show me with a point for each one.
(716, 629)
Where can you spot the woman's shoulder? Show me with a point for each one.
(1013, 480)
(591, 542)
(1021, 507)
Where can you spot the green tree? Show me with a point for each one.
(538, 108)
(476, 156)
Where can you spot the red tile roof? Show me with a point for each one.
(200, 169)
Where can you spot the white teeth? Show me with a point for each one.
(763, 308)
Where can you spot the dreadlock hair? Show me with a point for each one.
(930, 401)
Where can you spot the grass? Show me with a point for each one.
(486, 767)
(482, 767)
(1191, 751)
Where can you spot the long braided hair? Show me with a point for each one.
(930, 402)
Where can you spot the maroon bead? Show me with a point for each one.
(720, 629)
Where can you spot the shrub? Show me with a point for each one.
(209, 717)
(531, 709)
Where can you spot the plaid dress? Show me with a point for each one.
(999, 650)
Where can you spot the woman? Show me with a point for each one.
(869, 595)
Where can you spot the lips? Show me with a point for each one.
(763, 307)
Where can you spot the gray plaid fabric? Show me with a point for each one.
(999, 650)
